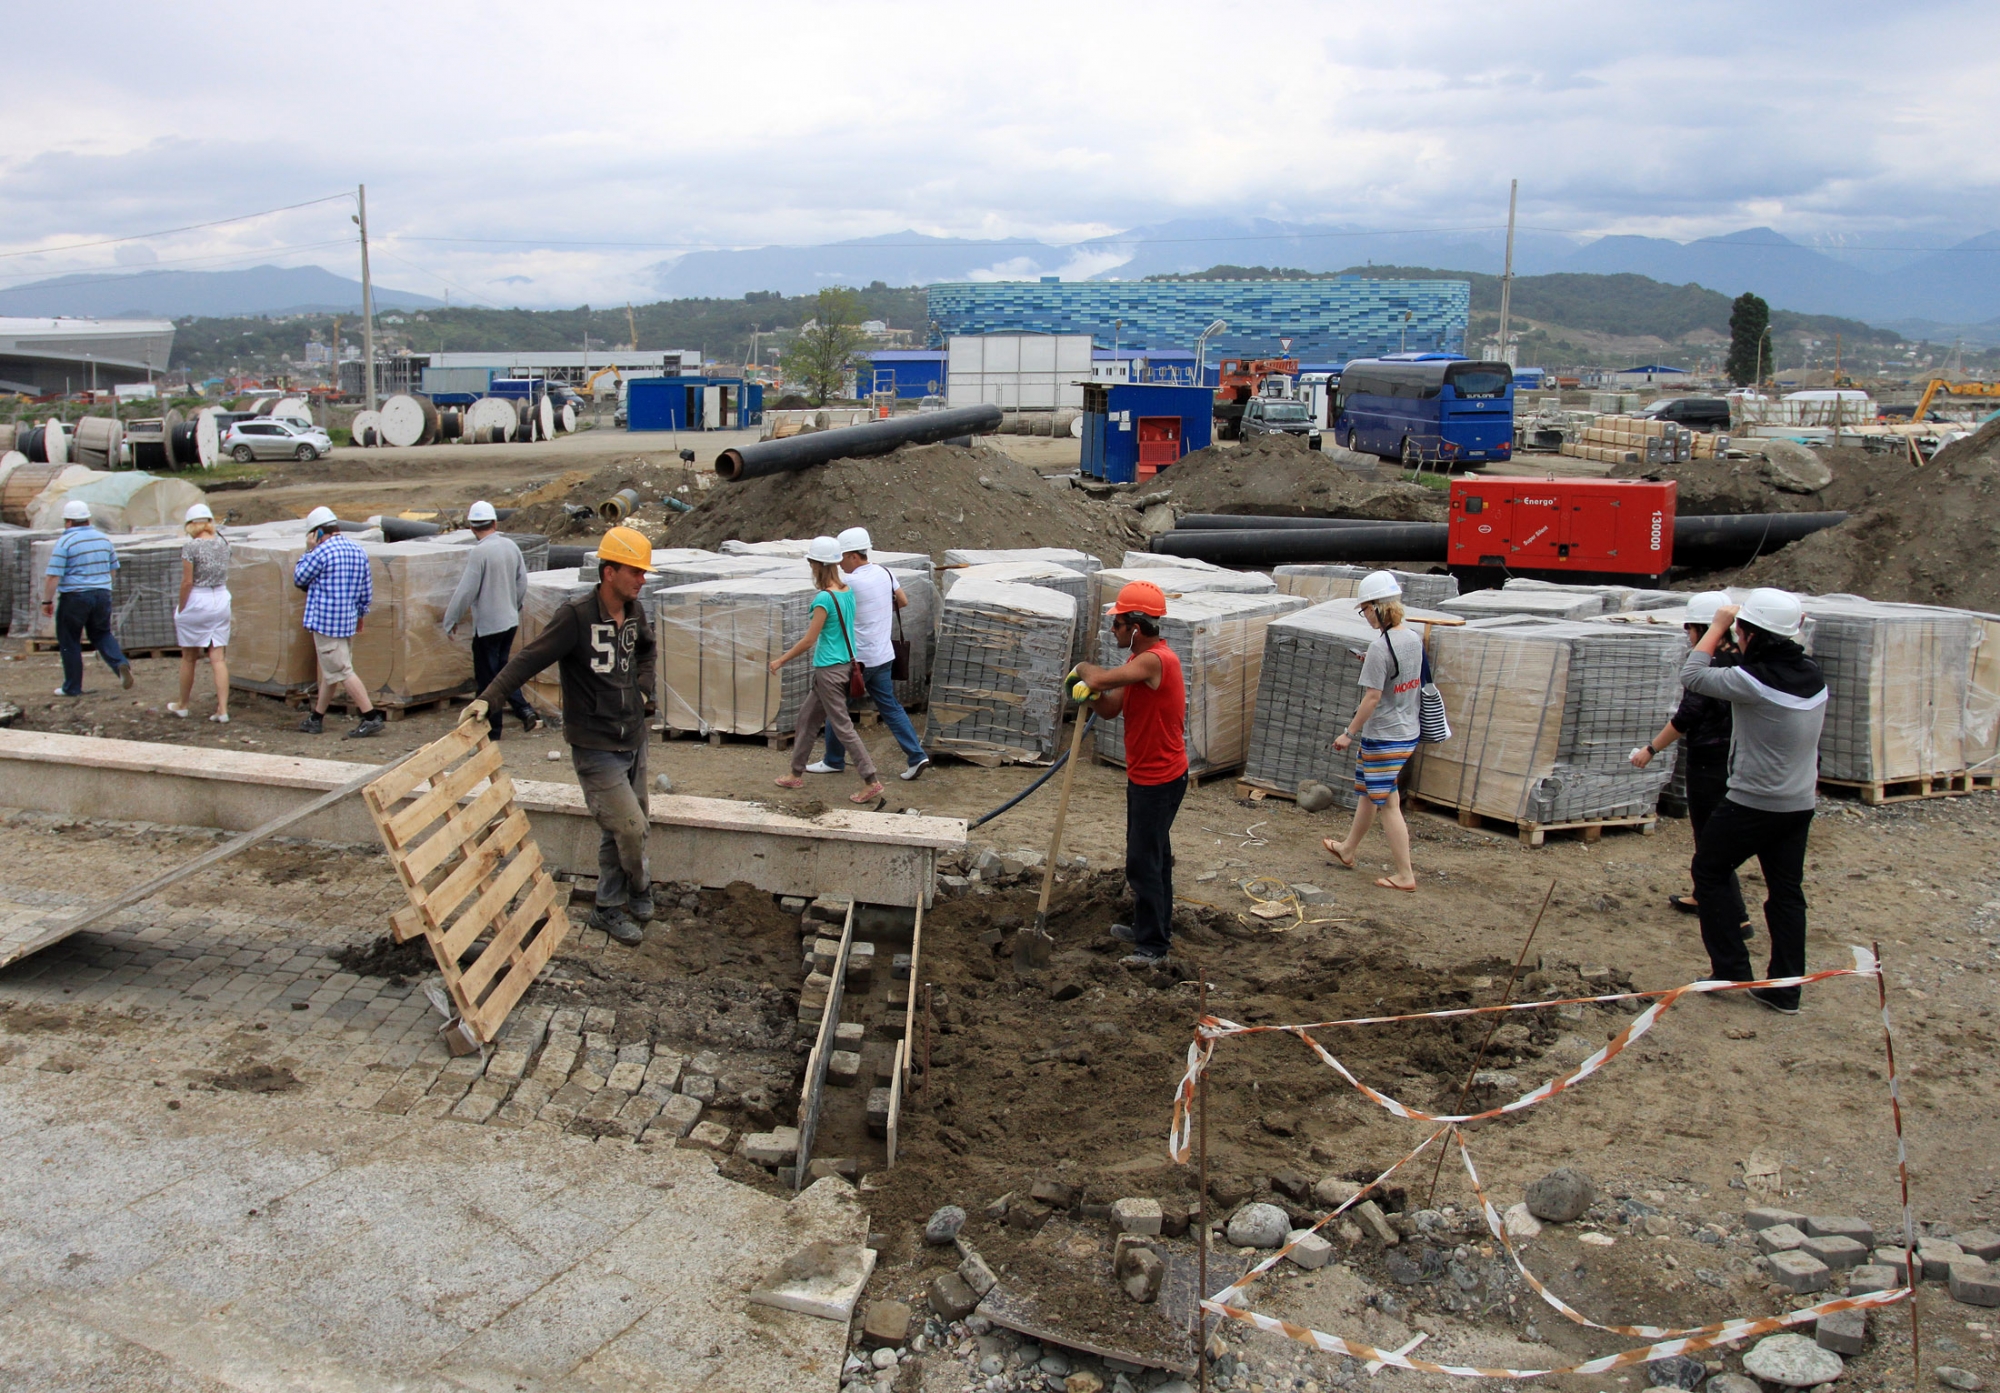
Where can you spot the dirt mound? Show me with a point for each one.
(384, 957)
(255, 1078)
(543, 508)
(1735, 487)
(1923, 536)
(920, 498)
(1279, 476)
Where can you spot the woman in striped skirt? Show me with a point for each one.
(1386, 723)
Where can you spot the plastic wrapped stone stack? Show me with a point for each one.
(695, 570)
(547, 592)
(1219, 638)
(996, 677)
(17, 577)
(1897, 681)
(1144, 560)
(1617, 599)
(269, 649)
(1539, 604)
(1544, 716)
(1105, 584)
(917, 623)
(1307, 693)
(1336, 582)
(144, 590)
(1063, 556)
(402, 653)
(791, 548)
(716, 641)
(1982, 699)
(1048, 574)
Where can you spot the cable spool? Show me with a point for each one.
(451, 424)
(366, 428)
(208, 436)
(98, 442)
(545, 418)
(524, 419)
(55, 441)
(8, 430)
(261, 406)
(291, 406)
(409, 420)
(148, 439)
(490, 420)
(22, 485)
(566, 418)
(28, 443)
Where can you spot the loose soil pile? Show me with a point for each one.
(1925, 536)
(920, 498)
(1278, 476)
(543, 508)
(1735, 487)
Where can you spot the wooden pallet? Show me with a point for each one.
(1535, 833)
(1954, 785)
(49, 645)
(479, 891)
(395, 710)
(770, 739)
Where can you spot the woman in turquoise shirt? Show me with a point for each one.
(830, 635)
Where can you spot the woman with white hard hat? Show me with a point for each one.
(201, 619)
(1386, 722)
(1701, 724)
(1777, 699)
(830, 636)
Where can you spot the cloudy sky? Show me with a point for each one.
(547, 155)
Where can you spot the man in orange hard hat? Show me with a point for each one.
(1148, 691)
(605, 648)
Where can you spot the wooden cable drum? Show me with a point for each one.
(261, 406)
(409, 420)
(545, 419)
(23, 484)
(7, 432)
(451, 424)
(98, 441)
(208, 436)
(366, 428)
(566, 418)
(490, 420)
(291, 406)
(148, 439)
(524, 419)
(55, 441)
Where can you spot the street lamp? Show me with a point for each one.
(1201, 350)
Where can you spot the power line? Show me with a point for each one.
(168, 232)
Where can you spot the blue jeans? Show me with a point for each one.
(614, 789)
(881, 691)
(79, 612)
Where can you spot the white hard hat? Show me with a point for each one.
(855, 539)
(1774, 611)
(1378, 585)
(199, 510)
(823, 549)
(482, 511)
(318, 518)
(1701, 608)
(76, 510)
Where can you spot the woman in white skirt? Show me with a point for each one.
(201, 620)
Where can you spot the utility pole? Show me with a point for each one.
(1507, 275)
(367, 305)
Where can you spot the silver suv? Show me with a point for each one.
(1278, 416)
(267, 437)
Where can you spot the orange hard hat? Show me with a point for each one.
(627, 546)
(1139, 597)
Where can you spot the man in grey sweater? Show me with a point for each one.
(494, 583)
(1777, 698)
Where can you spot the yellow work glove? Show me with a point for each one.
(475, 710)
(1079, 690)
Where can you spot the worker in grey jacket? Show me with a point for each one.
(492, 588)
(1777, 700)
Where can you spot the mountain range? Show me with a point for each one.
(260, 290)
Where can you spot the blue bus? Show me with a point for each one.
(1426, 408)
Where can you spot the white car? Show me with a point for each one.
(267, 437)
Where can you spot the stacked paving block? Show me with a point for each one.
(1049, 575)
(20, 594)
(996, 677)
(692, 570)
(1898, 679)
(716, 641)
(1081, 561)
(1220, 640)
(547, 592)
(1539, 604)
(916, 622)
(1307, 692)
(1199, 580)
(1616, 599)
(402, 652)
(1544, 716)
(1336, 582)
(144, 589)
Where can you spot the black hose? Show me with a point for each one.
(1231, 522)
(408, 530)
(854, 442)
(1047, 774)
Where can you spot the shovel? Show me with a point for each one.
(1032, 944)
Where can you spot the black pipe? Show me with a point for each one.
(408, 530)
(854, 442)
(1387, 541)
(1231, 522)
(1705, 542)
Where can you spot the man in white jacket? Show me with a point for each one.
(492, 588)
(877, 597)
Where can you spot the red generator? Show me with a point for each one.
(1572, 528)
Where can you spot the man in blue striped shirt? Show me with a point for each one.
(339, 589)
(78, 593)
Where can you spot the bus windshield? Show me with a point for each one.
(1478, 379)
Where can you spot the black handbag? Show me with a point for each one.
(899, 650)
(857, 676)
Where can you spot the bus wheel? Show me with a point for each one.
(1413, 457)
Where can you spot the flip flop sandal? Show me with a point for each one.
(789, 782)
(1388, 884)
(1329, 844)
(867, 795)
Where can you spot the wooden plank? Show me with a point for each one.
(813, 1094)
(405, 924)
(509, 937)
(449, 893)
(444, 794)
(916, 966)
(431, 759)
(525, 967)
(465, 824)
(896, 1094)
(492, 902)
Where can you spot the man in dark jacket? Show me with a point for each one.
(605, 650)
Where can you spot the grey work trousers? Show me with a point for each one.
(614, 789)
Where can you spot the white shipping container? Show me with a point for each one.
(1017, 372)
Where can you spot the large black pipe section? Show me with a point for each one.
(854, 442)
(1249, 522)
(1384, 541)
(1724, 540)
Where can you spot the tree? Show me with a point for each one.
(820, 358)
(1749, 324)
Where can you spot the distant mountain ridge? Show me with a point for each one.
(207, 294)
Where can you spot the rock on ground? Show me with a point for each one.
(1561, 1195)
(1792, 1360)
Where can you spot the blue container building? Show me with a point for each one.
(905, 373)
(692, 403)
(1132, 431)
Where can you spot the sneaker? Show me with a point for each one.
(313, 724)
(64, 691)
(916, 769)
(173, 710)
(221, 718)
(640, 907)
(371, 724)
(820, 766)
(1123, 933)
(1772, 1001)
(534, 723)
(1142, 959)
(614, 920)
(125, 675)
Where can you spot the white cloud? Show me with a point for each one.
(532, 145)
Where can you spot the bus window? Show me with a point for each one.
(1478, 379)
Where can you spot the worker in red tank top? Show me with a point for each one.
(1148, 691)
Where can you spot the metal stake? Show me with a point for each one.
(1201, 1111)
(1911, 1271)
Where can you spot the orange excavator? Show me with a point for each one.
(1240, 380)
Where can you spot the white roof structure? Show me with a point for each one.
(42, 355)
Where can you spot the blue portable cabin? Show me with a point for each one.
(525, 388)
(457, 386)
(1131, 431)
(907, 374)
(692, 403)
